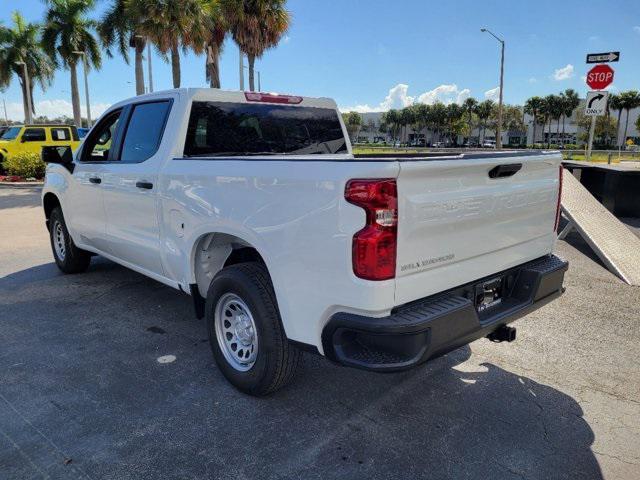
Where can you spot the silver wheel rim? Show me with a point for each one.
(236, 332)
(58, 241)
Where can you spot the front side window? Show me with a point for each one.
(97, 146)
(144, 131)
(60, 134)
(11, 134)
(34, 135)
(222, 128)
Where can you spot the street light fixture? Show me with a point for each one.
(27, 86)
(86, 84)
(499, 128)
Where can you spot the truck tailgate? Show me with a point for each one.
(457, 224)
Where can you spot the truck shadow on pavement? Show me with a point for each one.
(79, 365)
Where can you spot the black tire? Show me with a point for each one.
(68, 257)
(277, 359)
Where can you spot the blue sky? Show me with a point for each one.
(372, 55)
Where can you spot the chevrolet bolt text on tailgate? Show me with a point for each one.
(254, 205)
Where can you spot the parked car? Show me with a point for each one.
(254, 205)
(31, 138)
(489, 144)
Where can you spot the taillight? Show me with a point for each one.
(271, 98)
(559, 198)
(374, 247)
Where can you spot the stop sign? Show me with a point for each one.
(600, 77)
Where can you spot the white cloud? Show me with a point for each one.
(398, 97)
(493, 94)
(594, 38)
(563, 73)
(445, 94)
(637, 29)
(53, 108)
(533, 80)
(286, 39)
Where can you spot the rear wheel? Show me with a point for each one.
(245, 330)
(68, 257)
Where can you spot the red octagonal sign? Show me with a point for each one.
(600, 77)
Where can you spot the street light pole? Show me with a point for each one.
(258, 72)
(27, 87)
(86, 84)
(6, 118)
(241, 70)
(499, 127)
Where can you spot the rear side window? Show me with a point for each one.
(222, 128)
(11, 134)
(34, 135)
(144, 131)
(60, 134)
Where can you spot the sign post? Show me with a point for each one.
(598, 78)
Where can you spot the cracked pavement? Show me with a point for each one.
(83, 396)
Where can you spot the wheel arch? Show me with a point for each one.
(49, 202)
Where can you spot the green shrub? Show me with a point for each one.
(25, 165)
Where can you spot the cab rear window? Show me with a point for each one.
(11, 134)
(228, 129)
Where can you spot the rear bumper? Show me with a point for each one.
(433, 326)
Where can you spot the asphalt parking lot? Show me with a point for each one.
(82, 394)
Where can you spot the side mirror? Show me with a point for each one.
(23, 138)
(61, 155)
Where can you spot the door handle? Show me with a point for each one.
(95, 180)
(506, 170)
(145, 185)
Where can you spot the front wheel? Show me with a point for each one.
(245, 330)
(68, 257)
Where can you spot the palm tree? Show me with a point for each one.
(630, 100)
(171, 25)
(391, 119)
(534, 107)
(615, 103)
(453, 113)
(549, 110)
(438, 118)
(256, 26)
(469, 106)
(67, 31)
(216, 31)
(118, 27)
(484, 111)
(21, 43)
(570, 102)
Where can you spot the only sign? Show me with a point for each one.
(600, 77)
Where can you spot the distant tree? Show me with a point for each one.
(534, 107)
(569, 102)
(629, 100)
(67, 30)
(615, 104)
(438, 118)
(469, 106)
(604, 131)
(353, 122)
(256, 26)
(120, 28)
(391, 123)
(21, 43)
(484, 110)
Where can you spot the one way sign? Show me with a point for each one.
(605, 57)
(596, 104)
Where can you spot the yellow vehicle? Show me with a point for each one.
(31, 138)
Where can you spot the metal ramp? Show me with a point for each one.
(616, 245)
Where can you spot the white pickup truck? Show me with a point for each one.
(254, 205)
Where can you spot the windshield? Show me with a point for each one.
(11, 134)
(232, 129)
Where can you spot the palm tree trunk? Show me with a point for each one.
(251, 60)
(25, 103)
(75, 97)
(138, 67)
(535, 124)
(626, 124)
(618, 129)
(175, 65)
(213, 65)
(558, 130)
(563, 119)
